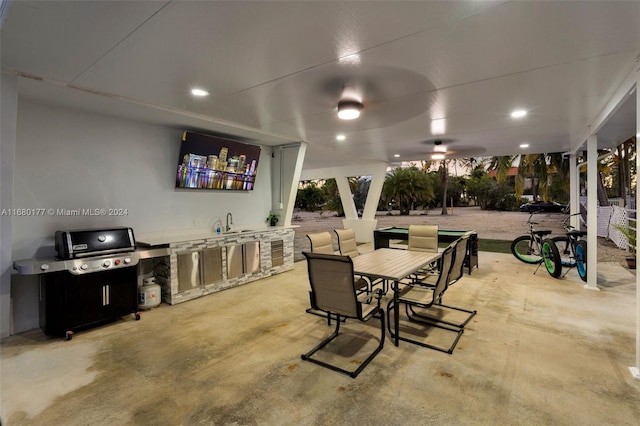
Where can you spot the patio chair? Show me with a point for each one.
(423, 238)
(321, 242)
(334, 291)
(457, 272)
(347, 242)
(348, 247)
(420, 297)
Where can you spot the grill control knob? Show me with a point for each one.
(84, 266)
(106, 263)
(127, 260)
(44, 267)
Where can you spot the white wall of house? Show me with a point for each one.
(71, 159)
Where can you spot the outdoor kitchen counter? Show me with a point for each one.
(193, 263)
(160, 238)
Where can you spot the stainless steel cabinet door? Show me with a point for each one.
(188, 270)
(211, 260)
(252, 257)
(234, 261)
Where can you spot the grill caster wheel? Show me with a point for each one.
(137, 316)
(68, 335)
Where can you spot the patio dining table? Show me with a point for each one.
(392, 265)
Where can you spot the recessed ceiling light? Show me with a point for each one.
(341, 137)
(519, 113)
(353, 59)
(437, 156)
(524, 145)
(396, 155)
(199, 92)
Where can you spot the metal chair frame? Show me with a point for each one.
(426, 303)
(457, 272)
(350, 307)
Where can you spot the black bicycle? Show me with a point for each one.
(534, 249)
(572, 249)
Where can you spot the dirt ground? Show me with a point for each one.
(489, 224)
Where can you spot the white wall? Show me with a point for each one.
(70, 159)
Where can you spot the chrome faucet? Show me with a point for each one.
(229, 221)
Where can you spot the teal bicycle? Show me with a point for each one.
(534, 249)
(572, 249)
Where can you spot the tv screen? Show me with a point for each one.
(211, 162)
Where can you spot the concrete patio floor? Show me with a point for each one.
(540, 351)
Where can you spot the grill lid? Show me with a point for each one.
(90, 242)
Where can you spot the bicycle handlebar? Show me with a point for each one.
(564, 222)
(530, 216)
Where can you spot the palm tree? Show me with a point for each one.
(443, 174)
(622, 166)
(443, 177)
(502, 165)
(535, 167)
(407, 186)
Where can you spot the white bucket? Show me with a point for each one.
(149, 295)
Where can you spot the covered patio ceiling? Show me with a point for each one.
(275, 71)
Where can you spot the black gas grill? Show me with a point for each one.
(92, 281)
(94, 242)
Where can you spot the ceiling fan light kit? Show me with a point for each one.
(349, 109)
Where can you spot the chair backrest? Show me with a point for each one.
(457, 269)
(423, 238)
(332, 284)
(321, 242)
(347, 242)
(446, 262)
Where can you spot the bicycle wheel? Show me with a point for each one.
(564, 248)
(551, 257)
(581, 259)
(524, 250)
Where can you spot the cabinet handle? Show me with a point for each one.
(105, 295)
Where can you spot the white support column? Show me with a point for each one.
(346, 196)
(592, 213)
(635, 370)
(373, 196)
(364, 227)
(574, 189)
(291, 159)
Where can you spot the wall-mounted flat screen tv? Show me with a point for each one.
(212, 162)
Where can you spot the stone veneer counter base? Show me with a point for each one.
(165, 268)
